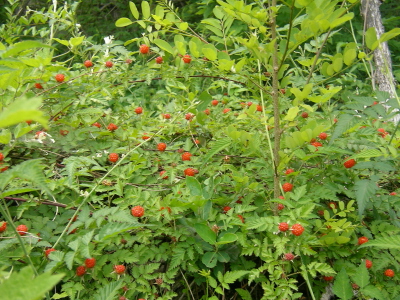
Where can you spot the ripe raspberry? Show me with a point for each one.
(393, 194)
(29, 122)
(159, 281)
(349, 163)
(186, 156)
(259, 108)
(1, 156)
(3, 227)
(355, 286)
(304, 115)
(187, 59)
(283, 91)
(226, 209)
(159, 60)
(389, 273)
(280, 206)
(109, 64)
(189, 172)
(167, 116)
(214, 102)
(144, 49)
(137, 211)
(122, 298)
(283, 226)
(38, 86)
(48, 251)
(88, 64)
(113, 157)
(289, 256)
(138, 110)
(288, 171)
(368, 264)
(98, 125)
(162, 173)
(226, 110)
(381, 130)
(64, 132)
(119, 269)
(312, 141)
(197, 142)
(281, 197)
(297, 229)
(207, 112)
(287, 187)
(3, 169)
(161, 146)
(22, 229)
(145, 137)
(241, 218)
(249, 103)
(189, 116)
(323, 135)
(112, 127)
(90, 262)
(167, 208)
(128, 61)
(328, 278)
(60, 77)
(317, 144)
(80, 271)
(362, 240)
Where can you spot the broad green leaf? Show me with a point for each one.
(292, 113)
(388, 242)
(193, 49)
(371, 38)
(342, 287)
(209, 259)
(5, 136)
(23, 285)
(134, 11)
(62, 42)
(145, 9)
(123, 22)
(210, 52)
(223, 257)
(76, 41)
(194, 186)
(164, 45)
(374, 292)
(22, 46)
(389, 35)
(227, 238)
(361, 276)
(337, 62)
(341, 20)
(349, 56)
(206, 233)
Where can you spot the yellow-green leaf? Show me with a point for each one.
(134, 10)
(123, 22)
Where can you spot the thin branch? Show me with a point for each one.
(44, 202)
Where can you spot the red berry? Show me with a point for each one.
(3, 169)
(145, 137)
(22, 229)
(241, 218)
(226, 110)
(88, 64)
(283, 226)
(29, 122)
(162, 173)
(159, 60)
(259, 108)
(138, 110)
(362, 240)
(226, 209)
(207, 112)
(283, 91)
(197, 142)
(64, 132)
(112, 127)
(297, 229)
(80, 271)
(119, 269)
(122, 298)
(368, 264)
(38, 86)
(109, 64)
(328, 278)
(287, 187)
(48, 251)
(60, 77)
(288, 171)
(281, 197)
(98, 125)
(90, 262)
(323, 135)
(113, 157)
(317, 144)
(128, 61)
(304, 115)
(349, 163)
(389, 273)
(214, 102)
(393, 194)
(137, 211)
(249, 103)
(186, 156)
(167, 116)
(189, 172)
(189, 116)
(1, 156)
(289, 256)
(161, 146)
(187, 59)
(3, 227)
(280, 206)
(144, 49)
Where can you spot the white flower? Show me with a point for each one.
(84, 193)
(108, 39)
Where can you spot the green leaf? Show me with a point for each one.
(209, 51)
(134, 11)
(206, 233)
(349, 56)
(145, 9)
(5, 136)
(112, 229)
(194, 186)
(209, 259)
(76, 41)
(342, 287)
(218, 146)
(244, 294)
(388, 242)
(123, 22)
(342, 20)
(24, 286)
(343, 124)
(371, 39)
(368, 154)
(22, 46)
(361, 276)
(22, 110)
(205, 99)
(164, 45)
(292, 113)
(227, 238)
(364, 189)
(108, 291)
(374, 292)
(389, 35)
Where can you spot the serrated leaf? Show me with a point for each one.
(194, 186)
(389, 242)
(111, 229)
(364, 189)
(232, 276)
(218, 146)
(368, 154)
(227, 238)
(244, 294)
(343, 124)
(206, 233)
(69, 259)
(374, 292)
(108, 291)
(361, 277)
(342, 287)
